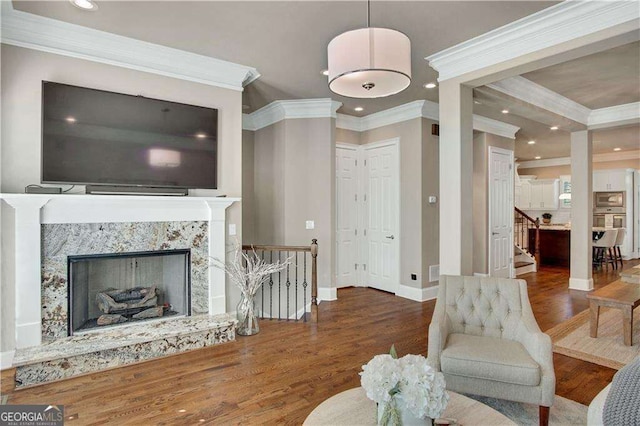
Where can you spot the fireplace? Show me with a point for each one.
(107, 290)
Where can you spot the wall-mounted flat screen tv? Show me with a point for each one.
(96, 137)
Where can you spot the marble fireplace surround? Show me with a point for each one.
(184, 218)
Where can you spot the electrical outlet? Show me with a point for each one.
(414, 277)
(310, 224)
(232, 229)
(432, 199)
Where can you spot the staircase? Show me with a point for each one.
(526, 237)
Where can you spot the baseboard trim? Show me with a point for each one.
(479, 274)
(327, 294)
(6, 359)
(581, 284)
(417, 294)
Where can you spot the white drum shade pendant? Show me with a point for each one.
(369, 63)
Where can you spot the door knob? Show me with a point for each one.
(494, 233)
(391, 237)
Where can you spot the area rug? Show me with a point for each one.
(571, 338)
(563, 412)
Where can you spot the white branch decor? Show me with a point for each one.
(248, 272)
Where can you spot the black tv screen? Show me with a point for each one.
(96, 137)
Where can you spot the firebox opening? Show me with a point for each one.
(112, 289)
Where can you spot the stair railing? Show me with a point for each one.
(274, 299)
(527, 233)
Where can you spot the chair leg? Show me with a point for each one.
(544, 415)
(617, 248)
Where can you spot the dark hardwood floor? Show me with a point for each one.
(281, 374)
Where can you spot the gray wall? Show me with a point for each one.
(22, 73)
(481, 144)
(294, 181)
(348, 136)
(430, 212)
(413, 175)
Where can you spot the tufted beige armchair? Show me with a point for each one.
(485, 340)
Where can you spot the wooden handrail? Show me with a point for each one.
(536, 223)
(275, 248)
(526, 215)
(313, 249)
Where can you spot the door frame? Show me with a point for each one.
(510, 154)
(358, 273)
(395, 143)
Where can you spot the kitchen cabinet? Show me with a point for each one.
(538, 194)
(609, 180)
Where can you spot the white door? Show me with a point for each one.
(500, 212)
(382, 204)
(346, 214)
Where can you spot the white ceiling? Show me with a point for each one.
(286, 41)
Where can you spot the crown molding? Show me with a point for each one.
(495, 127)
(614, 116)
(534, 94)
(282, 110)
(349, 122)
(50, 35)
(431, 110)
(393, 115)
(561, 23)
(419, 109)
(596, 158)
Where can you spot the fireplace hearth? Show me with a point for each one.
(108, 290)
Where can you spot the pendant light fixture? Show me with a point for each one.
(369, 62)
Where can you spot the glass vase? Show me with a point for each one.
(246, 313)
(402, 415)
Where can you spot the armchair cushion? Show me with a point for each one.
(489, 358)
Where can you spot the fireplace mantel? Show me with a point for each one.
(33, 210)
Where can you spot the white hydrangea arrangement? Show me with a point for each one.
(406, 384)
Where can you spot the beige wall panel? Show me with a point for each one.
(430, 212)
(22, 73)
(347, 136)
(410, 134)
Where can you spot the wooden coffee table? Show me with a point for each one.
(352, 407)
(619, 295)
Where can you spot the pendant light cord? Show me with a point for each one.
(368, 13)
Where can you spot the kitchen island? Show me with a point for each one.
(555, 245)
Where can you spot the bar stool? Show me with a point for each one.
(603, 249)
(619, 241)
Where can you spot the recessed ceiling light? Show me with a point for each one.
(325, 72)
(71, 119)
(358, 109)
(553, 128)
(531, 142)
(537, 157)
(505, 111)
(430, 85)
(201, 135)
(84, 4)
(617, 149)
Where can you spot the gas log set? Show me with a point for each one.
(132, 304)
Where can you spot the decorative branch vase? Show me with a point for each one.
(399, 415)
(246, 313)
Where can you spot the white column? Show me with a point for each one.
(26, 264)
(581, 211)
(217, 249)
(456, 179)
